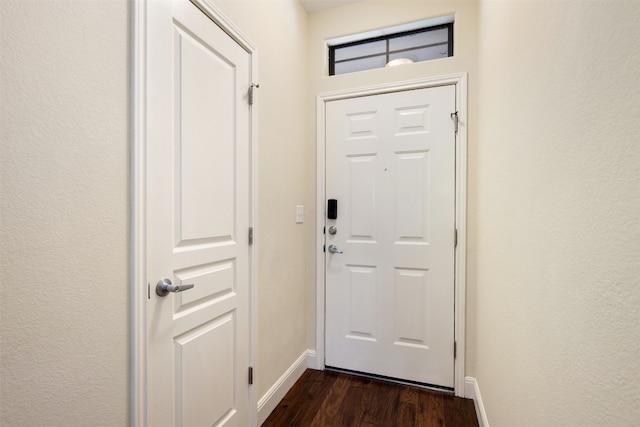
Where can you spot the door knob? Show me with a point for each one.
(164, 286)
(334, 249)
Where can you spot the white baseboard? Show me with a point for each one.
(274, 395)
(472, 391)
(311, 360)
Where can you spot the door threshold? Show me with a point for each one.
(436, 388)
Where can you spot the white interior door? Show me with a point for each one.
(390, 164)
(198, 204)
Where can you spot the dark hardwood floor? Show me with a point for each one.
(325, 398)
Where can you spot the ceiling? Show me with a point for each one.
(316, 5)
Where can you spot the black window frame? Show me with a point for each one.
(332, 49)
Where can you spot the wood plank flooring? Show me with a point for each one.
(330, 399)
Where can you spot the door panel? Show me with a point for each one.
(202, 114)
(390, 295)
(205, 391)
(361, 197)
(198, 163)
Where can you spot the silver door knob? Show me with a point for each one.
(164, 286)
(334, 249)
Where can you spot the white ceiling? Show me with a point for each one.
(316, 5)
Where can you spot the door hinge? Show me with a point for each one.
(250, 235)
(455, 349)
(324, 248)
(251, 88)
(455, 238)
(454, 117)
(148, 290)
(250, 375)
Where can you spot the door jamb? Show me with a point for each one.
(138, 189)
(460, 81)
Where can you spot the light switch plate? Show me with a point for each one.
(299, 214)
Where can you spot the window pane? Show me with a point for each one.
(419, 40)
(360, 64)
(418, 45)
(423, 54)
(360, 50)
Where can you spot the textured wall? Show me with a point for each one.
(558, 310)
(63, 201)
(279, 31)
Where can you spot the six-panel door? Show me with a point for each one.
(390, 162)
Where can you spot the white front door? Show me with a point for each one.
(390, 165)
(198, 205)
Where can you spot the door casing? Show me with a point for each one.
(138, 250)
(460, 81)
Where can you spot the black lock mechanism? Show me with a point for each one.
(332, 209)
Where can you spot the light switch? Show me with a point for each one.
(299, 214)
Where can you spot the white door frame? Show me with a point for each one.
(138, 225)
(460, 81)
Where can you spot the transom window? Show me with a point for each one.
(415, 45)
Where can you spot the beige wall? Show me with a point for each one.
(64, 206)
(558, 293)
(279, 31)
(373, 14)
